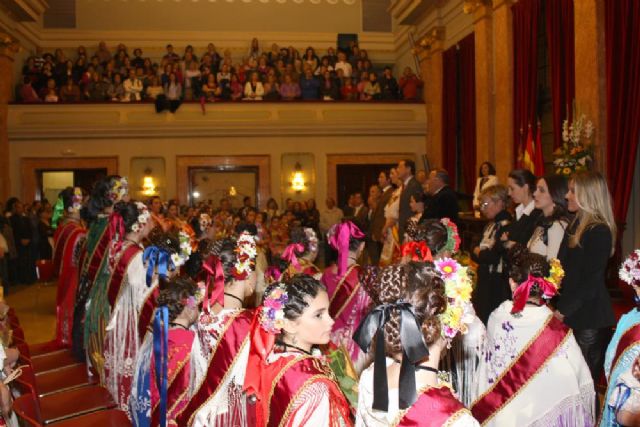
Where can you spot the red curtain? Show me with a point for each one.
(525, 68)
(622, 33)
(449, 112)
(467, 79)
(560, 39)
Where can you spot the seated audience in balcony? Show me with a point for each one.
(388, 85)
(289, 90)
(119, 60)
(263, 68)
(273, 56)
(311, 59)
(85, 78)
(79, 68)
(211, 90)
(138, 60)
(103, 53)
(349, 91)
(354, 55)
(31, 71)
(343, 65)
(329, 87)
(224, 74)
(253, 89)
(410, 85)
(372, 88)
(171, 56)
(173, 92)
(27, 92)
(324, 66)
(64, 73)
(254, 49)
(364, 80)
(116, 89)
(309, 86)
(192, 82)
(70, 92)
(272, 89)
(236, 88)
(154, 89)
(214, 56)
(97, 89)
(331, 56)
(132, 88)
(49, 89)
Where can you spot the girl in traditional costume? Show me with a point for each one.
(301, 252)
(126, 291)
(105, 194)
(623, 350)
(293, 384)
(163, 259)
(391, 246)
(168, 371)
(220, 352)
(349, 301)
(69, 238)
(533, 372)
(420, 309)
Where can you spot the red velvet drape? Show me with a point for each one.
(622, 33)
(561, 42)
(525, 68)
(449, 112)
(467, 69)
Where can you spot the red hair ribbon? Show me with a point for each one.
(339, 240)
(289, 254)
(116, 231)
(272, 274)
(419, 251)
(521, 294)
(212, 268)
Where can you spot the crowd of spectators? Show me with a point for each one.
(276, 74)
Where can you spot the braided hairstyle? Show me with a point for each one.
(193, 266)
(174, 292)
(419, 284)
(129, 213)
(524, 263)
(165, 240)
(300, 289)
(431, 231)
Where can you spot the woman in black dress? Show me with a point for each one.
(584, 303)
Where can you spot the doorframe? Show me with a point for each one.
(29, 166)
(333, 160)
(262, 162)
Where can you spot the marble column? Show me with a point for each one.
(503, 73)
(8, 48)
(485, 124)
(590, 63)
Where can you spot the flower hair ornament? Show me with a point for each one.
(143, 217)
(272, 310)
(630, 269)
(414, 348)
(417, 251)
(245, 256)
(205, 221)
(457, 289)
(453, 237)
(178, 259)
(312, 237)
(119, 190)
(549, 286)
(76, 203)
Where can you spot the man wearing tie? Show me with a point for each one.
(406, 171)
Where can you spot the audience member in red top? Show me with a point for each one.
(27, 93)
(409, 84)
(349, 91)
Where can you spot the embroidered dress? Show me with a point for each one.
(349, 303)
(559, 393)
(218, 367)
(122, 340)
(68, 239)
(624, 355)
(455, 416)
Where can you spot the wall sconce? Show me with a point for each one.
(148, 184)
(232, 191)
(297, 179)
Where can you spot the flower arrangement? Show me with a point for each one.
(245, 256)
(575, 154)
(556, 273)
(458, 288)
(119, 190)
(630, 269)
(180, 258)
(453, 237)
(143, 217)
(272, 310)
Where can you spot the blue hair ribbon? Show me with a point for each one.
(154, 256)
(160, 355)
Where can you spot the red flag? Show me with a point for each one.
(520, 153)
(539, 159)
(528, 158)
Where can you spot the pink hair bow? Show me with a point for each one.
(339, 240)
(289, 254)
(521, 294)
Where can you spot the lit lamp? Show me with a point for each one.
(148, 186)
(297, 179)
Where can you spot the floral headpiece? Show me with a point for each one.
(272, 310)
(630, 269)
(178, 259)
(119, 190)
(76, 203)
(549, 286)
(457, 288)
(195, 299)
(245, 256)
(312, 237)
(143, 217)
(453, 237)
(205, 221)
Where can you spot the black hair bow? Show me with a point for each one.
(414, 349)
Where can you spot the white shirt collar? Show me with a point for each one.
(406, 181)
(386, 188)
(525, 210)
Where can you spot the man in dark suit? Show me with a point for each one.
(443, 201)
(360, 212)
(406, 171)
(377, 219)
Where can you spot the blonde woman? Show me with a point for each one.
(391, 247)
(584, 303)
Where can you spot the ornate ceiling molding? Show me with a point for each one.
(331, 2)
(431, 41)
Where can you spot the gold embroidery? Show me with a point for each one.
(277, 379)
(287, 412)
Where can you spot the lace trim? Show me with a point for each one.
(576, 410)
